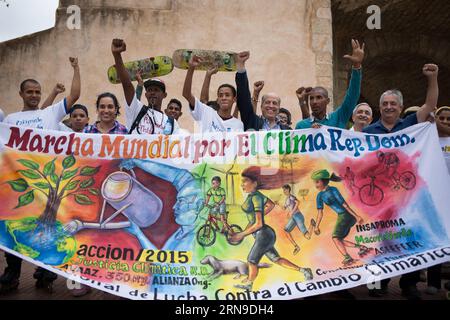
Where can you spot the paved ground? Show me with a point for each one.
(27, 290)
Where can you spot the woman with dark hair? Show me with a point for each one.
(107, 109)
(256, 206)
(347, 218)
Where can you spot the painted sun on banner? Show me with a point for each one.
(255, 215)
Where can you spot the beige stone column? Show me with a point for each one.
(322, 44)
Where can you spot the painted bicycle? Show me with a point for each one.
(207, 233)
(371, 194)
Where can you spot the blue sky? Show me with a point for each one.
(23, 17)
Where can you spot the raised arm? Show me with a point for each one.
(140, 85)
(303, 100)
(257, 87)
(236, 112)
(354, 89)
(187, 88)
(244, 100)
(204, 95)
(117, 47)
(431, 72)
(75, 89)
(59, 88)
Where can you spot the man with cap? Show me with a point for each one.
(143, 119)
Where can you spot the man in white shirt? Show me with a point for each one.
(140, 118)
(33, 117)
(210, 120)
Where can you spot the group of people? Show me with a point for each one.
(218, 116)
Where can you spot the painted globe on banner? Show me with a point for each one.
(49, 244)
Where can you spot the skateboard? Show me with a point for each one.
(224, 60)
(150, 67)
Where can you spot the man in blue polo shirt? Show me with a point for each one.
(319, 99)
(391, 106)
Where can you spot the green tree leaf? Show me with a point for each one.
(94, 191)
(72, 185)
(25, 199)
(49, 168)
(68, 161)
(42, 185)
(83, 199)
(29, 174)
(87, 183)
(29, 164)
(89, 171)
(19, 185)
(69, 174)
(54, 178)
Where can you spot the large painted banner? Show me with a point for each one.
(254, 215)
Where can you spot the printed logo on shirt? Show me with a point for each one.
(37, 122)
(216, 127)
(148, 125)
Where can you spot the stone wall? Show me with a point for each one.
(290, 43)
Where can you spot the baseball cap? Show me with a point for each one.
(155, 82)
(410, 111)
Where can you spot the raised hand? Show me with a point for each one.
(195, 61)
(241, 58)
(73, 62)
(357, 56)
(118, 46)
(212, 70)
(430, 70)
(303, 93)
(59, 88)
(139, 78)
(258, 86)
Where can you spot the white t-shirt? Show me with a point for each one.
(153, 122)
(290, 202)
(445, 145)
(63, 127)
(209, 120)
(48, 118)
